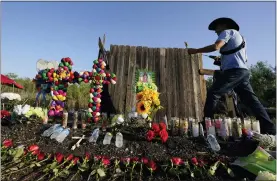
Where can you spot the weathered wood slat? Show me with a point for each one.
(125, 86)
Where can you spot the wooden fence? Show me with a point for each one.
(183, 90)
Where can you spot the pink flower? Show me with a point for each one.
(144, 160)
(194, 161)
(177, 161)
(106, 162)
(33, 148)
(7, 143)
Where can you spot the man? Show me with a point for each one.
(235, 74)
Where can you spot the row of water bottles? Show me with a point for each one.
(57, 132)
(107, 138)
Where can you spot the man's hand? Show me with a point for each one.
(192, 51)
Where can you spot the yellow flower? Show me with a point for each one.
(139, 96)
(143, 107)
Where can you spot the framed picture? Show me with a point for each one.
(144, 78)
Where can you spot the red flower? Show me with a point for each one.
(164, 135)
(194, 161)
(7, 143)
(97, 157)
(201, 163)
(150, 135)
(106, 161)
(177, 161)
(40, 156)
(144, 160)
(70, 157)
(155, 127)
(244, 131)
(135, 159)
(5, 113)
(59, 157)
(75, 160)
(36, 152)
(87, 156)
(162, 125)
(33, 148)
(152, 165)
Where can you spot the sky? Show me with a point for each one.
(53, 30)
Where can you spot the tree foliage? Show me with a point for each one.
(263, 82)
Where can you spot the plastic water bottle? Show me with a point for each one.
(50, 130)
(63, 135)
(94, 136)
(213, 143)
(56, 132)
(107, 138)
(119, 140)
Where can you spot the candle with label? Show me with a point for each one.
(256, 126)
(224, 131)
(218, 125)
(211, 129)
(64, 119)
(247, 124)
(75, 120)
(229, 123)
(195, 129)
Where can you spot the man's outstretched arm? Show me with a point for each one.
(211, 48)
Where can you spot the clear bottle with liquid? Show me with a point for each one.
(119, 140)
(50, 130)
(107, 138)
(56, 132)
(63, 135)
(94, 136)
(213, 143)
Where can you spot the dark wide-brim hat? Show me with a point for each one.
(228, 21)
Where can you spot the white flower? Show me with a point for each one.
(11, 96)
(265, 175)
(120, 119)
(25, 109)
(144, 116)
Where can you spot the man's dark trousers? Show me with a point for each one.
(238, 80)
